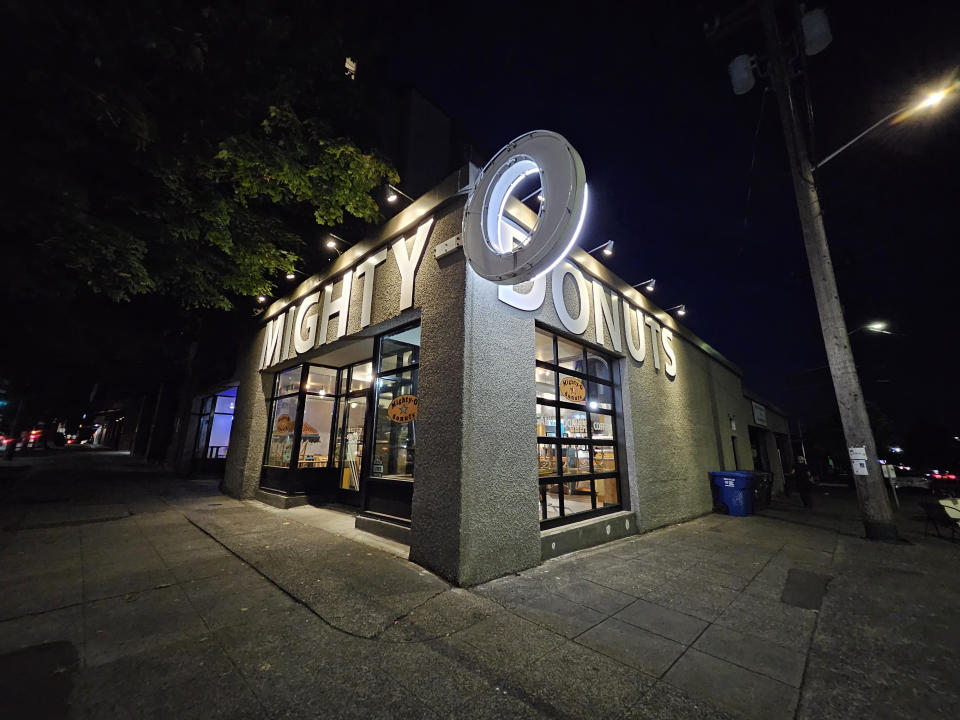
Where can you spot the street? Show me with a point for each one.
(131, 593)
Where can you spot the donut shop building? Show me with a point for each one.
(495, 403)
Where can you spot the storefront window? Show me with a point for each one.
(575, 394)
(215, 422)
(396, 410)
(315, 431)
(301, 418)
(350, 435)
(282, 426)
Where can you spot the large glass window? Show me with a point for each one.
(576, 430)
(301, 417)
(317, 419)
(395, 437)
(213, 429)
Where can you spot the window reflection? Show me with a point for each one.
(570, 355)
(544, 346)
(289, 381)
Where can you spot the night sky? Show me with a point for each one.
(689, 180)
(667, 147)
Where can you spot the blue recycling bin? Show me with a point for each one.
(734, 490)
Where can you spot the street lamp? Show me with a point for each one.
(897, 116)
(878, 326)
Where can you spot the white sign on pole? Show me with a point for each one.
(857, 453)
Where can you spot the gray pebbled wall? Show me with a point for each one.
(474, 502)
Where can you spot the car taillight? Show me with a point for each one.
(950, 477)
(937, 476)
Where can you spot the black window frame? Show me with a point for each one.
(399, 370)
(590, 381)
(301, 394)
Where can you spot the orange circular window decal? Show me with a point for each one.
(402, 409)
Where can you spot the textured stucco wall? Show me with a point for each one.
(474, 502)
(500, 528)
(436, 512)
(248, 435)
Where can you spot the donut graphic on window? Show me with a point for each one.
(284, 424)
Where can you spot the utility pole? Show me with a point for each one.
(874, 503)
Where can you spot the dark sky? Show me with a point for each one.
(667, 147)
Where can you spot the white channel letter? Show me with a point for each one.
(367, 271)
(578, 324)
(606, 312)
(530, 300)
(408, 264)
(637, 351)
(339, 307)
(306, 320)
(273, 334)
(654, 341)
(669, 367)
(288, 335)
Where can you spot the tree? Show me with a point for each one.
(180, 149)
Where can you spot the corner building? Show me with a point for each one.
(492, 427)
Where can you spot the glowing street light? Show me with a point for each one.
(877, 326)
(932, 100)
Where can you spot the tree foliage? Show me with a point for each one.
(181, 149)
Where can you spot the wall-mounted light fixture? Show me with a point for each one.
(607, 248)
(335, 241)
(647, 284)
(681, 309)
(394, 193)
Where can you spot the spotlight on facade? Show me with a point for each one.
(290, 275)
(607, 248)
(681, 309)
(395, 193)
(647, 284)
(331, 244)
(261, 298)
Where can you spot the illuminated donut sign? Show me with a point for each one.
(526, 209)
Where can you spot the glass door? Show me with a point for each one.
(355, 384)
(389, 491)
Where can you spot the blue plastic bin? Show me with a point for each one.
(735, 490)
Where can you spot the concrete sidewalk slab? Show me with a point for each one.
(225, 608)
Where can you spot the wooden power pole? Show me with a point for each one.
(874, 503)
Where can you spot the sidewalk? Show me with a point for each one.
(130, 594)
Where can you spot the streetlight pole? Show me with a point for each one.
(874, 503)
